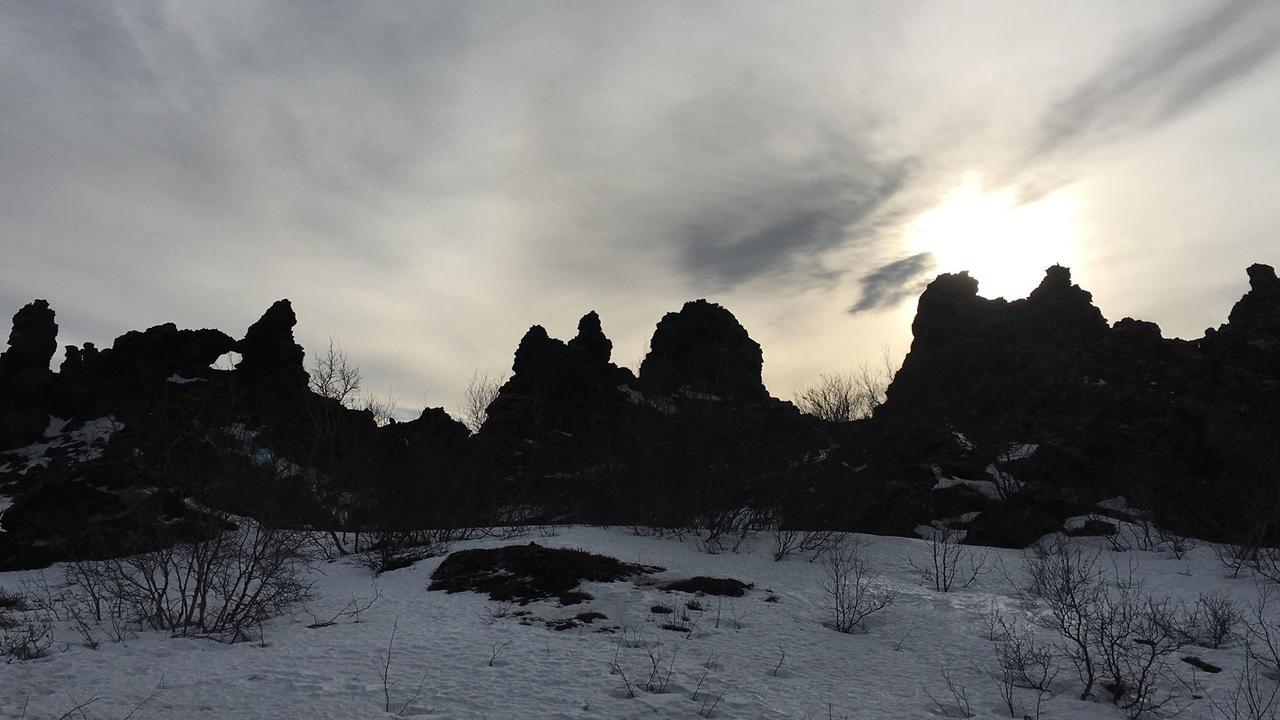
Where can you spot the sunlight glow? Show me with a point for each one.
(1004, 244)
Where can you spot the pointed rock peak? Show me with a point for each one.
(1262, 278)
(534, 347)
(268, 349)
(33, 339)
(704, 349)
(1056, 276)
(591, 341)
(1259, 309)
(1057, 284)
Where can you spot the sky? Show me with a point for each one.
(425, 180)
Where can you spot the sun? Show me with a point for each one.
(1003, 243)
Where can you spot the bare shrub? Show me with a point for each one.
(851, 590)
(1065, 580)
(1030, 662)
(219, 588)
(811, 542)
(26, 632)
(1111, 631)
(960, 706)
(719, 531)
(1214, 621)
(1253, 697)
(950, 563)
(1235, 558)
(335, 376)
(481, 391)
(846, 396)
(1137, 635)
(352, 610)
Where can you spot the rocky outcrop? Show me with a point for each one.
(1177, 427)
(557, 387)
(32, 342)
(268, 352)
(25, 378)
(971, 355)
(156, 354)
(703, 350)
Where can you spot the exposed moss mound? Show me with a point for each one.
(727, 587)
(524, 573)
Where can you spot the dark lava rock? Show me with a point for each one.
(703, 350)
(268, 351)
(725, 587)
(525, 573)
(25, 377)
(156, 354)
(32, 341)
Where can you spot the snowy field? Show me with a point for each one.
(764, 655)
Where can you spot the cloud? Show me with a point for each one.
(890, 284)
(789, 229)
(1165, 76)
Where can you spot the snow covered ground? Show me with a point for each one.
(765, 655)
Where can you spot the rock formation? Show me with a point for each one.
(268, 352)
(703, 350)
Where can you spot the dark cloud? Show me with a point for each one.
(890, 284)
(793, 234)
(1166, 75)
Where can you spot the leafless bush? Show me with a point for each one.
(476, 399)
(381, 407)
(782, 657)
(812, 542)
(1263, 561)
(392, 549)
(219, 588)
(494, 612)
(852, 591)
(1030, 662)
(1254, 697)
(1065, 580)
(950, 563)
(335, 376)
(960, 705)
(702, 677)
(26, 632)
(846, 396)
(616, 668)
(1235, 558)
(496, 650)
(1214, 621)
(725, 530)
(1111, 631)
(660, 676)
(353, 609)
(1175, 543)
(1137, 636)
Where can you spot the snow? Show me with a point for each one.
(328, 673)
(662, 405)
(982, 487)
(177, 379)
(962, 441)
(85, 443)
(1019, 451)
(1119, 505)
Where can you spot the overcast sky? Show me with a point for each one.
(426, 180)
